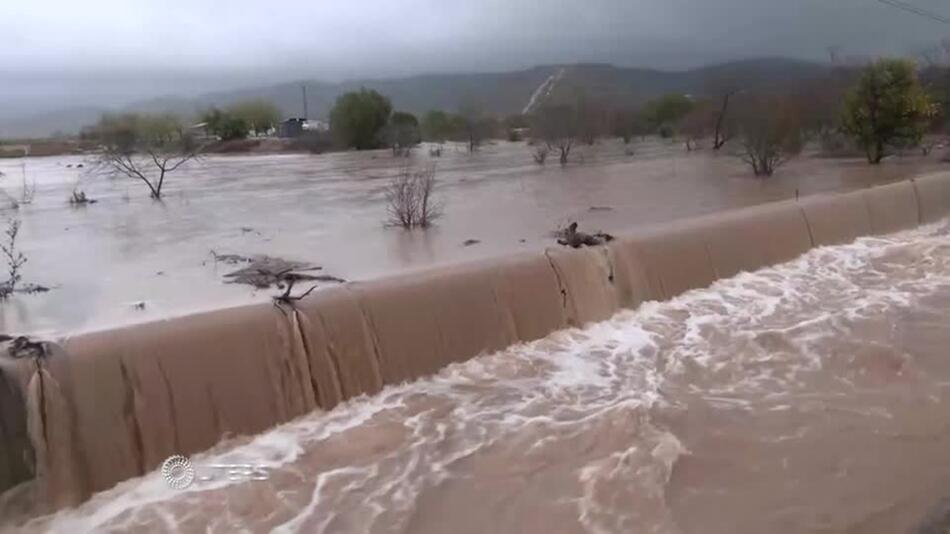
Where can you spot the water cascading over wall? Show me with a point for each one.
(103, 407)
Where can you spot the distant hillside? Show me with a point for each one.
(620, 86)
(66, 121)
(501, 93)
(496, 93)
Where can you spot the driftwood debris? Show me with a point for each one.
(22, 347)
(79, 198)
(571, 237)
(264, 272)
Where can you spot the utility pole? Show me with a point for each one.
(304, 88)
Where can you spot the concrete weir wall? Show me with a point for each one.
(103, 407)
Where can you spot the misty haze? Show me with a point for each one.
(673, 266)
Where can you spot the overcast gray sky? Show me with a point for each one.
(123, 49)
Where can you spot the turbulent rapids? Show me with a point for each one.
(813, 396)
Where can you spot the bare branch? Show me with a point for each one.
(162, 142)
(410, 201)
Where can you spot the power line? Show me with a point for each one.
(910, 8)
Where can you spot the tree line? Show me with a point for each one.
(882, 108)
(885, 107)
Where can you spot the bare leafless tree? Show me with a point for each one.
(723, 130)
(592, 119)
(472, 123)
(145, 147)
(697, 124)
(770, 133)
(721, 90)
(410, 199)
(558, 128)
(628, 123)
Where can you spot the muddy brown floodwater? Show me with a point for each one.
(129, 259)
(810, 397)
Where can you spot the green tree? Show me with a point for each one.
(403, 131)
(627, 123)
(358, 118)
(887, 107)
(212, 119)
(437, 126)
(260, 116)
(664, 112)
(225, 125)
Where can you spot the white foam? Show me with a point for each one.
(755, 336)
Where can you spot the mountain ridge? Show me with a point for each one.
(497, 93)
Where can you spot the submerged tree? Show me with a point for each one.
(627, 123)
(770, 133)
(144, 147)
(663, 113)
(558, 128)
(721, 89)
(471, 122)
(698, 124)
(358, 118)
(402, 132)
(437, 126)
(592, 119)
(887, 107)
(410, 200)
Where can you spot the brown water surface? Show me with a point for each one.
(811, 397)
(104, 259)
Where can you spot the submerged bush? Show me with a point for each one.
(410, 199)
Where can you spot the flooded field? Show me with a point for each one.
(128, 259)
(811, 397)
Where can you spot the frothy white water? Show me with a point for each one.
(584, 431)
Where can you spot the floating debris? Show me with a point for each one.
(22, 347)
(571, 237)
(267, 271)
(230, 259)
(79, 198)
(32, 289)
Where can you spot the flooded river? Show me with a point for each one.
(811, 397)
(129, 259)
